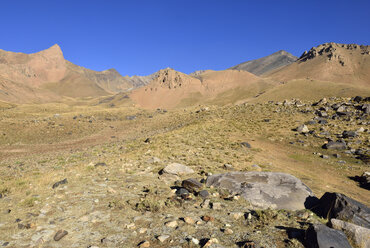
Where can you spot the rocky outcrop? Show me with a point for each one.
(265, 189)
(332, 51)
(339, 206)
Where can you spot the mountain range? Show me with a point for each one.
(326, 69)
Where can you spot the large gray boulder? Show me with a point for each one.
(321, 236)
(265, 189)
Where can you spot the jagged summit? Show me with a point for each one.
(266, 64)
(53, 53)
(334, 51)
(330, 62)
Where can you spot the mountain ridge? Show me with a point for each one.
(266, 64)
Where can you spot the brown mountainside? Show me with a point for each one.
(47, 76)
(330, 62)
(171, 88)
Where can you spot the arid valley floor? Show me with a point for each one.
(112, 156)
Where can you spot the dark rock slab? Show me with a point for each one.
(335, 145)
(204, 194)
(321, 236)
(339, 206)
(182, 192)
(349, 134)
(265, 189)
(64, 181)
(192, 185)
(100, 164)
(245, 144)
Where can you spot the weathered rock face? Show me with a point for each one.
(360, 235)
(339, 206)
(265, 189)
(321, 236)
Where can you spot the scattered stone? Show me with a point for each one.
(245, 144)
(210, 242)
(163, 238)
(360, 235)
(319, 235)
(147, 140)
(349, 134)
(189, 220)
(143, 230)
(177, 169)
(153, 160)
(339, 206)
(144, 244)
(265, 189)
(322, 113)
(324, 156)
(360, 130)
(64, 181)
(205, 203)
(60, 234)
(248, 244)
(302, 129)
(195, 241)
(208, 218)
(228, 166)
(21, 226)
(184, 193)
(357, 99)
(203, 193)
(130, 226)
(192, 185)
(217, 206)
(228, 231)
(237, 215)
(172, 224)
(131, 117)
(100, 164)
(335, 145)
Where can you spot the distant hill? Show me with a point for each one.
(266, 64)
(47, 76)
(171, 88)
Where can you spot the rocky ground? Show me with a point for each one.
(75, 176)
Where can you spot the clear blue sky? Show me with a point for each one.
(139, 37)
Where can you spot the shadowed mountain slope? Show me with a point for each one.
(266, 64)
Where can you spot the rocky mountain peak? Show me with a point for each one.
(53, 52)
(334, 51)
